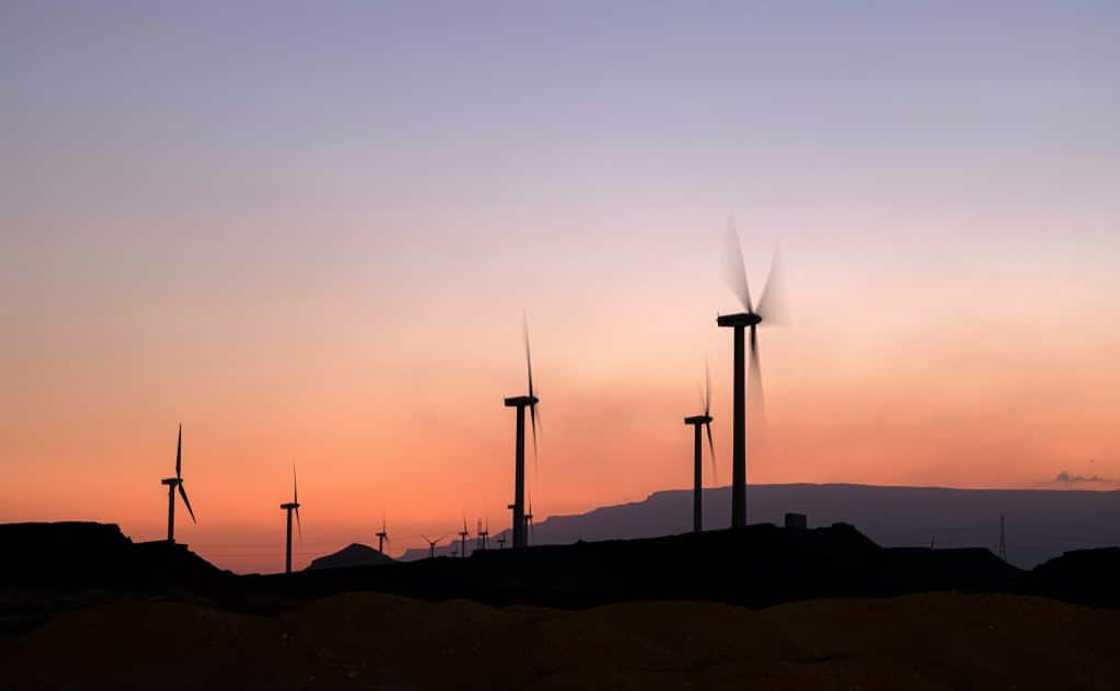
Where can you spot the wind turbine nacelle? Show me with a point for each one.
(521, 401)
(290, 505)
(740, 319)
(170, 481)
(698, 420)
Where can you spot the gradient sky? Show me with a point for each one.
(308, 232)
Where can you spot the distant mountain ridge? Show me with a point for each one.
(1040, 524)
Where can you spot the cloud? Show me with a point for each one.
(1067, 478)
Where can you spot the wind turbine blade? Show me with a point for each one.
(179, 454)
(299, 525)
(772, 304)
(295, 487)
(712, 452)
(756, 400)
(707, 389)
(186, 502)
(533, 421)
(528, 354)
(734, 272)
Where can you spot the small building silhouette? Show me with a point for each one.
(797, 521)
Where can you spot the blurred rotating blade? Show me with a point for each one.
(179, 454)
(734, 272)
(712, 452)
(532, 391)
(707, 389)
(755, 399)
(772, 305)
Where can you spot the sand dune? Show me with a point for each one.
(375, 641)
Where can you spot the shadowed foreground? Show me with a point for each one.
(370, 640)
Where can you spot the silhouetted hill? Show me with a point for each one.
(353, 555)
(50, 567)
(96, 554)
(760, 565)
(1088, 576)
(1041, 524)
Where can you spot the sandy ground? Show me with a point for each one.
(373, 641)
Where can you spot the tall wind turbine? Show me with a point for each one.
(463, 535)
(701, 421)
(382, 536)
(520, 403)
(768, 309)
(174, 483)
(292, 506)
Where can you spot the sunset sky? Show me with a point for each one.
(308, 232)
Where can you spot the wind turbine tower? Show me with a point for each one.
(176, 483)
(768, 309)
(701, 421)
(290, 507)
(521, 403)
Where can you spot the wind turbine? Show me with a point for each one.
(698, 422)
(382, 536)
(767, 309)
(483, 533)
(529, 519)
(173, 483)
(463, 535)
(520, 403)
(501, 540)
(432, 545)
(291, 506)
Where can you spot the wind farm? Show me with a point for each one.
(469, 262)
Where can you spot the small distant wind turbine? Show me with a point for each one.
(292, 506)
(520, 403)
(382, 536)
(698, 422)
(463, 535)
(529, 520)
(174, 483)
(501, 540)
(432, 545)
(483, 533)
(768, 309)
